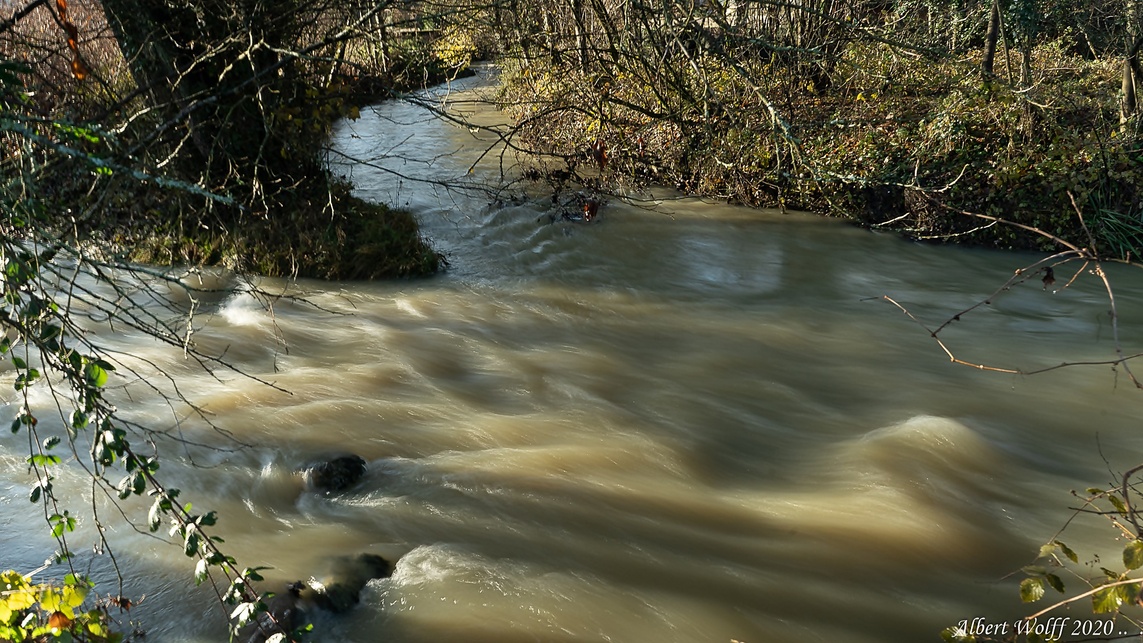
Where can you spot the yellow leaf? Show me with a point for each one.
(74, 595)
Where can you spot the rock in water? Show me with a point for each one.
(337, 474)
(341, 590)
(282, 615)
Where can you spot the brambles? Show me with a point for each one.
(830, 113)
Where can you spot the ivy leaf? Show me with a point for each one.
(1031, 589)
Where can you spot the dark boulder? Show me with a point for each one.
(337, 474)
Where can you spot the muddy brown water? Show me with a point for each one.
(679, 423)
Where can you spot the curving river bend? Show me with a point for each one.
(686, 423)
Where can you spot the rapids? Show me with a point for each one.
(682, 423)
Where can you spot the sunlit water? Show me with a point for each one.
(685, 423)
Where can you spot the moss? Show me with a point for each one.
(358, 240)
(319, 233)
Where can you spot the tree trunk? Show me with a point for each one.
(1132, 74)
(214, 77)
(580, 33)
(990, 40)
(1129, 104)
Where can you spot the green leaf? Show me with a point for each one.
(74, 595)
(1107, 600)
(19, 363)
(124, 488)
(1118, 504)
(51, 442)
(251, 573)
(95, 375)
(1133, 554)
(200, 571)
(244, 612)
(1055, 582)
(1068, 552)
(235, 592)
(43, 460)
(1031, 589)
(209, 519)
(155, 515)
(190, 546)
(61, 523)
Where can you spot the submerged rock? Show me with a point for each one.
(282, 616)
(338, 591)
(337, 474)
(341, 589)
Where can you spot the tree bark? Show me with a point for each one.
(211, 71)
(1132, 74)
(990, 40)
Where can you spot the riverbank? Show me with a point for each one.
(208, 170)
(894, 140)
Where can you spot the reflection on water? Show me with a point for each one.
(682, 424)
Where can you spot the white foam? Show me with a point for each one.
(241, 309)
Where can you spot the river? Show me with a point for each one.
(683, 423)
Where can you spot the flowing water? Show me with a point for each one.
(691, 422)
